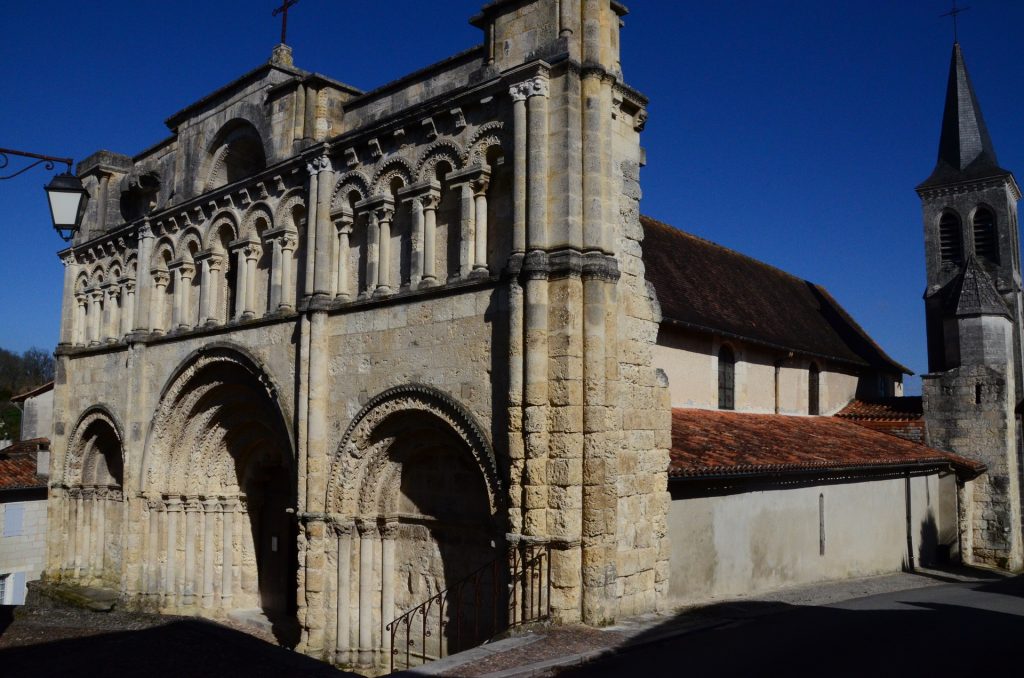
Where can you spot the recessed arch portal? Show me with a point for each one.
(219, 477)
(414, 480)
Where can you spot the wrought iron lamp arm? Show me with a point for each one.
(49, 160)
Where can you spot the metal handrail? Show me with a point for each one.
(529, 572)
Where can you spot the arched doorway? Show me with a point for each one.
(416, 501)
(220, 485)
(93, 511)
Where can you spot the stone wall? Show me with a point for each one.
(773, 537)
(22, 556)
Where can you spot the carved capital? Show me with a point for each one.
(384, 212)
(532, 87)
(640, 120)
(480, 184)
(430, 200)
(145, 230)
(252, 251)
(343, 222)
(319, 164)
(289, 241)
(160, 278)
(68, 260)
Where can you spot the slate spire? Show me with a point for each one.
(965, 148)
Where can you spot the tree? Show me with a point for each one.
(20, 373)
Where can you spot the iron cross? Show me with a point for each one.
(953, 13)
(283, 11)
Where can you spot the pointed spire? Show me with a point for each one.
(973, 293)
(965, 148)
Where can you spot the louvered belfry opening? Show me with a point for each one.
(986, 242)
(951, 245)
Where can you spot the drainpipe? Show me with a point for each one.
(910, 537)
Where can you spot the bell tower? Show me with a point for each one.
(973, 315)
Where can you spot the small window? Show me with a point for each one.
(951, 246)
(813, 389)
(14, 519)
(986, 242)
(3, 588)
(726, 379)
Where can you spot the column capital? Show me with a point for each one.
(469, 175)
(145, 230)
(419, 190)
(367, 527)
(343, 221)
(160, 277)
(212, 258)
(173, 503)
(389, 528)
(68, 259)
(531, 87)
(319, 164)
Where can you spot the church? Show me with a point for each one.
(395, 370)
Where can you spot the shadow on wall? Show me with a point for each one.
(173, 650)
(933, 631)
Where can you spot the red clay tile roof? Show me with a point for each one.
(18, 465)
(48, 386)
(711, 288)
(712, 443)
(906, 408)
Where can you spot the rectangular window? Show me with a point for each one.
(14, 519)
(3, 588)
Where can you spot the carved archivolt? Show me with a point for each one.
(388, 170)
(440, 150)
(252, 216)
(95, 423)
(348, 182)
(360, 467)
(283, 213)
(486, 137)
(218, 413)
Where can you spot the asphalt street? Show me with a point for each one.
(963, 628)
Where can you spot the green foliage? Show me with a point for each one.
(20, 373)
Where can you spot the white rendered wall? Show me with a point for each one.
(732, 545)
(24, 553)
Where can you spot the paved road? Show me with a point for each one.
(966, 628)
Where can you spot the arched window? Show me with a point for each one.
(951, 246)
(726, 379)
(986, 242)
(813, 389)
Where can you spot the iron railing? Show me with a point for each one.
(476, 608)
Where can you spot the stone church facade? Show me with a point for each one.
(324, 352)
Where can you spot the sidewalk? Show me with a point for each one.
(547, 650)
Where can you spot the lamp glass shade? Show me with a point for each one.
(67, 200)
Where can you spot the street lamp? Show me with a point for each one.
(65, 194)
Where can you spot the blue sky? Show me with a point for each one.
(791, 130)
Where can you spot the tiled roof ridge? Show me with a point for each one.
(763, 264)
(709, 443)
(32, 392)
(855, 409)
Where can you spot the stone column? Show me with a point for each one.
(156, 308)
(241, 282)
(228, 507)
(204, 289)
(144, 280)
(289, 241)
(99, 510)
(275, 275)
(372, 252)
(110, 324)
(479, 187)
(387, 596)
(252, 254)
(311, 222)
(81, 320)
(80, 540)
(69, 305)
(210, 510)
(384, 215)
(537, 163)
(215, 281)
(191, 527)
(343, 607)
(171, 574)
(367, 575)
(429, 205)
(535, 388)
(519, 92)
(416, 244)
(466, 229)
(153, 548)
(343, 225)
(186, 273)
(95, 315)
(127, 306)
(325, 234)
